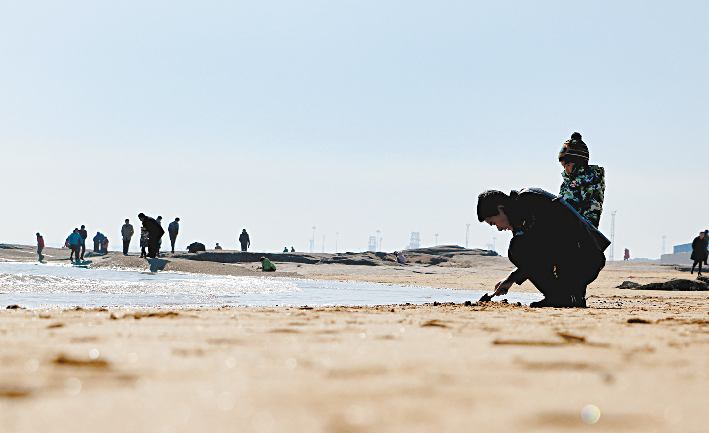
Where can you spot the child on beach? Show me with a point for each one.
(267, 265)
(583, 185)
(143, 242)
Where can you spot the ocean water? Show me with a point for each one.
(35, 285)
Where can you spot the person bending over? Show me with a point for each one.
(267, 265)
(155, 232)
(553, 246)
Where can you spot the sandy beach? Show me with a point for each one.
(635, 361)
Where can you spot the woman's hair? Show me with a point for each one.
(488, 202)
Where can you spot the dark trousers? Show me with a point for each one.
(173, 238)
(243, 246)
(697, 262)
(83, 250)
(557, 271)
(39, 253)
(153, 247)
(75, 252)
(126, 245)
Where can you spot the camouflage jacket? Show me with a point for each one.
(583, 189)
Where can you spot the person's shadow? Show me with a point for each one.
(157, 264)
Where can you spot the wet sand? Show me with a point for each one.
(640, 357)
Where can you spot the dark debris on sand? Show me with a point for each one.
(680, 285)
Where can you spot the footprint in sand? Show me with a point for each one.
(566, 339)
(68, 361)
(14, 392)
(434, 323)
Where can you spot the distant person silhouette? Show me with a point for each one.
(40, 247)
(267, 265)
(155, 232)
(217, 247)
(84, 234)
(244, 240)
(285, 249)
(104, 245)
(159, 220)
(143, 242)
(699, 252)
(74, 243)
(706, 236)
(97, 242)
(626, 255)
(127, 233)
(173, 229)
(292, 250)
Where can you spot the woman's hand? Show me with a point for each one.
(503, 287)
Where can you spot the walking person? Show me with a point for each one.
(706, 236)
(173, 229)
(583, 186)
(40, 247)
(626, 255)
(127, 233)
(553, 246)
(244, 240)
(155, 232)
(699, 252)
(84, 234)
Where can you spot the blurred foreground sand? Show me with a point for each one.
(641, 358)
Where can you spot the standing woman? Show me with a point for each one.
(583, 185)
(699, 252)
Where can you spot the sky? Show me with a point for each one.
(351, 116)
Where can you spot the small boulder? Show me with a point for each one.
(196, 247)
(628, 285)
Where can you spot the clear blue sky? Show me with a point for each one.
(351, 116)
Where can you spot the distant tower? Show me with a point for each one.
(436, 237)
(415, 241)
(611, 255)
(372, 244)
(379, 240)
(467, 231)
(312, 241)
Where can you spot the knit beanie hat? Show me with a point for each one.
(574, 150)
